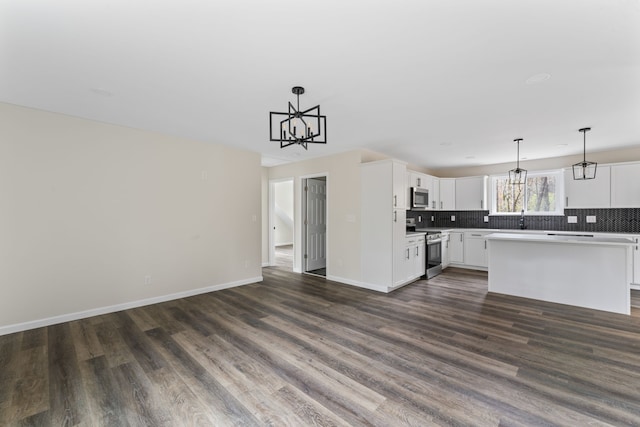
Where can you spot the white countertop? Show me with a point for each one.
(560, 239)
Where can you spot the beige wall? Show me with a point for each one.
(343, 202)
(87, 210)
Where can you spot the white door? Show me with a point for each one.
(316, 224)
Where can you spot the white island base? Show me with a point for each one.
(586, 272)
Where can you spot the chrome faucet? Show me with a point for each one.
(522, 226)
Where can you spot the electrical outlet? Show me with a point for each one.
(419, 218)
(486, 218)
(433, 218)
(591, 219)
(453, 218)
(572, 219)
(204, 175)
(147, 280)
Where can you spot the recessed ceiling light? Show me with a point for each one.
(102, 92)
(538, 78)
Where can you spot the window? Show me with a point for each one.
(542, 195)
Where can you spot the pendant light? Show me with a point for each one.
(296, 126)
(517, 176)
(584, 170)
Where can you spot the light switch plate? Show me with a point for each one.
(572, 219)
(591, 219)
(453, 218)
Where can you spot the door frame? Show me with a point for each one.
(301, 227)
(272, 209)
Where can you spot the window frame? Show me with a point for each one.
(559, 194)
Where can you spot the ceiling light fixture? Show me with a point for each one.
(584, 169)
(298, 127)
(517, 176)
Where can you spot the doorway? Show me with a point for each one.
(281, 223)
(314, 225)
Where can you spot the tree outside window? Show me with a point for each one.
(538, 195)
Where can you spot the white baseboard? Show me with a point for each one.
(19, 327)
(358, 284)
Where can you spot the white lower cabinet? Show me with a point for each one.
(475, 249)
(456, 247)
(414, 257)
(636, 262)
(445, 250)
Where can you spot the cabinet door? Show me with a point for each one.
(399, 177)
(471, 193)
(421, 259)
(475, 249)
(420, 180)
(589, 193)
(445, 250)
(625, 185)
(636, 262)
(399, 228)
(447, 194)
(434, 193)
(456, 247)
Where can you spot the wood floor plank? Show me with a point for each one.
(68, 402)
(85, 340)
(31, 390)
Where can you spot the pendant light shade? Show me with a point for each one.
(584, 170)
(517, 176)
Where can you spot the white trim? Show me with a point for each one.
(284, 244)
(266, 264)
(19, 327)
(358, 284)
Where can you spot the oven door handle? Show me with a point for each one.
(434, 241)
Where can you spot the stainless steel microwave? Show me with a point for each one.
(419, 198)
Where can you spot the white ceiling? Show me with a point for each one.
(436, 83)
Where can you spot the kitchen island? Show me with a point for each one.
(591, 272)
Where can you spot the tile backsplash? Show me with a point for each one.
(606, 220)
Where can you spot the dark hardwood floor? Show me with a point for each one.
(299, 350)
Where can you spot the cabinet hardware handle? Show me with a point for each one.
(407, 253)
(417, 251)
(395, 201)
(433, 203)
(480, 203)
(419, 182)
(440, 205)
(566, 201)
(395, 216)
(461, 237)
(485, 244)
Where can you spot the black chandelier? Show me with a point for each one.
(517, 176)
(584, 169)
(298, 127)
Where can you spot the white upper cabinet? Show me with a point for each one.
(447, 194)
(588, 193)
(434, 193)
(399, 180)
(625, 185)
(471, 193)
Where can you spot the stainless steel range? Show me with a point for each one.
(434, 253)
